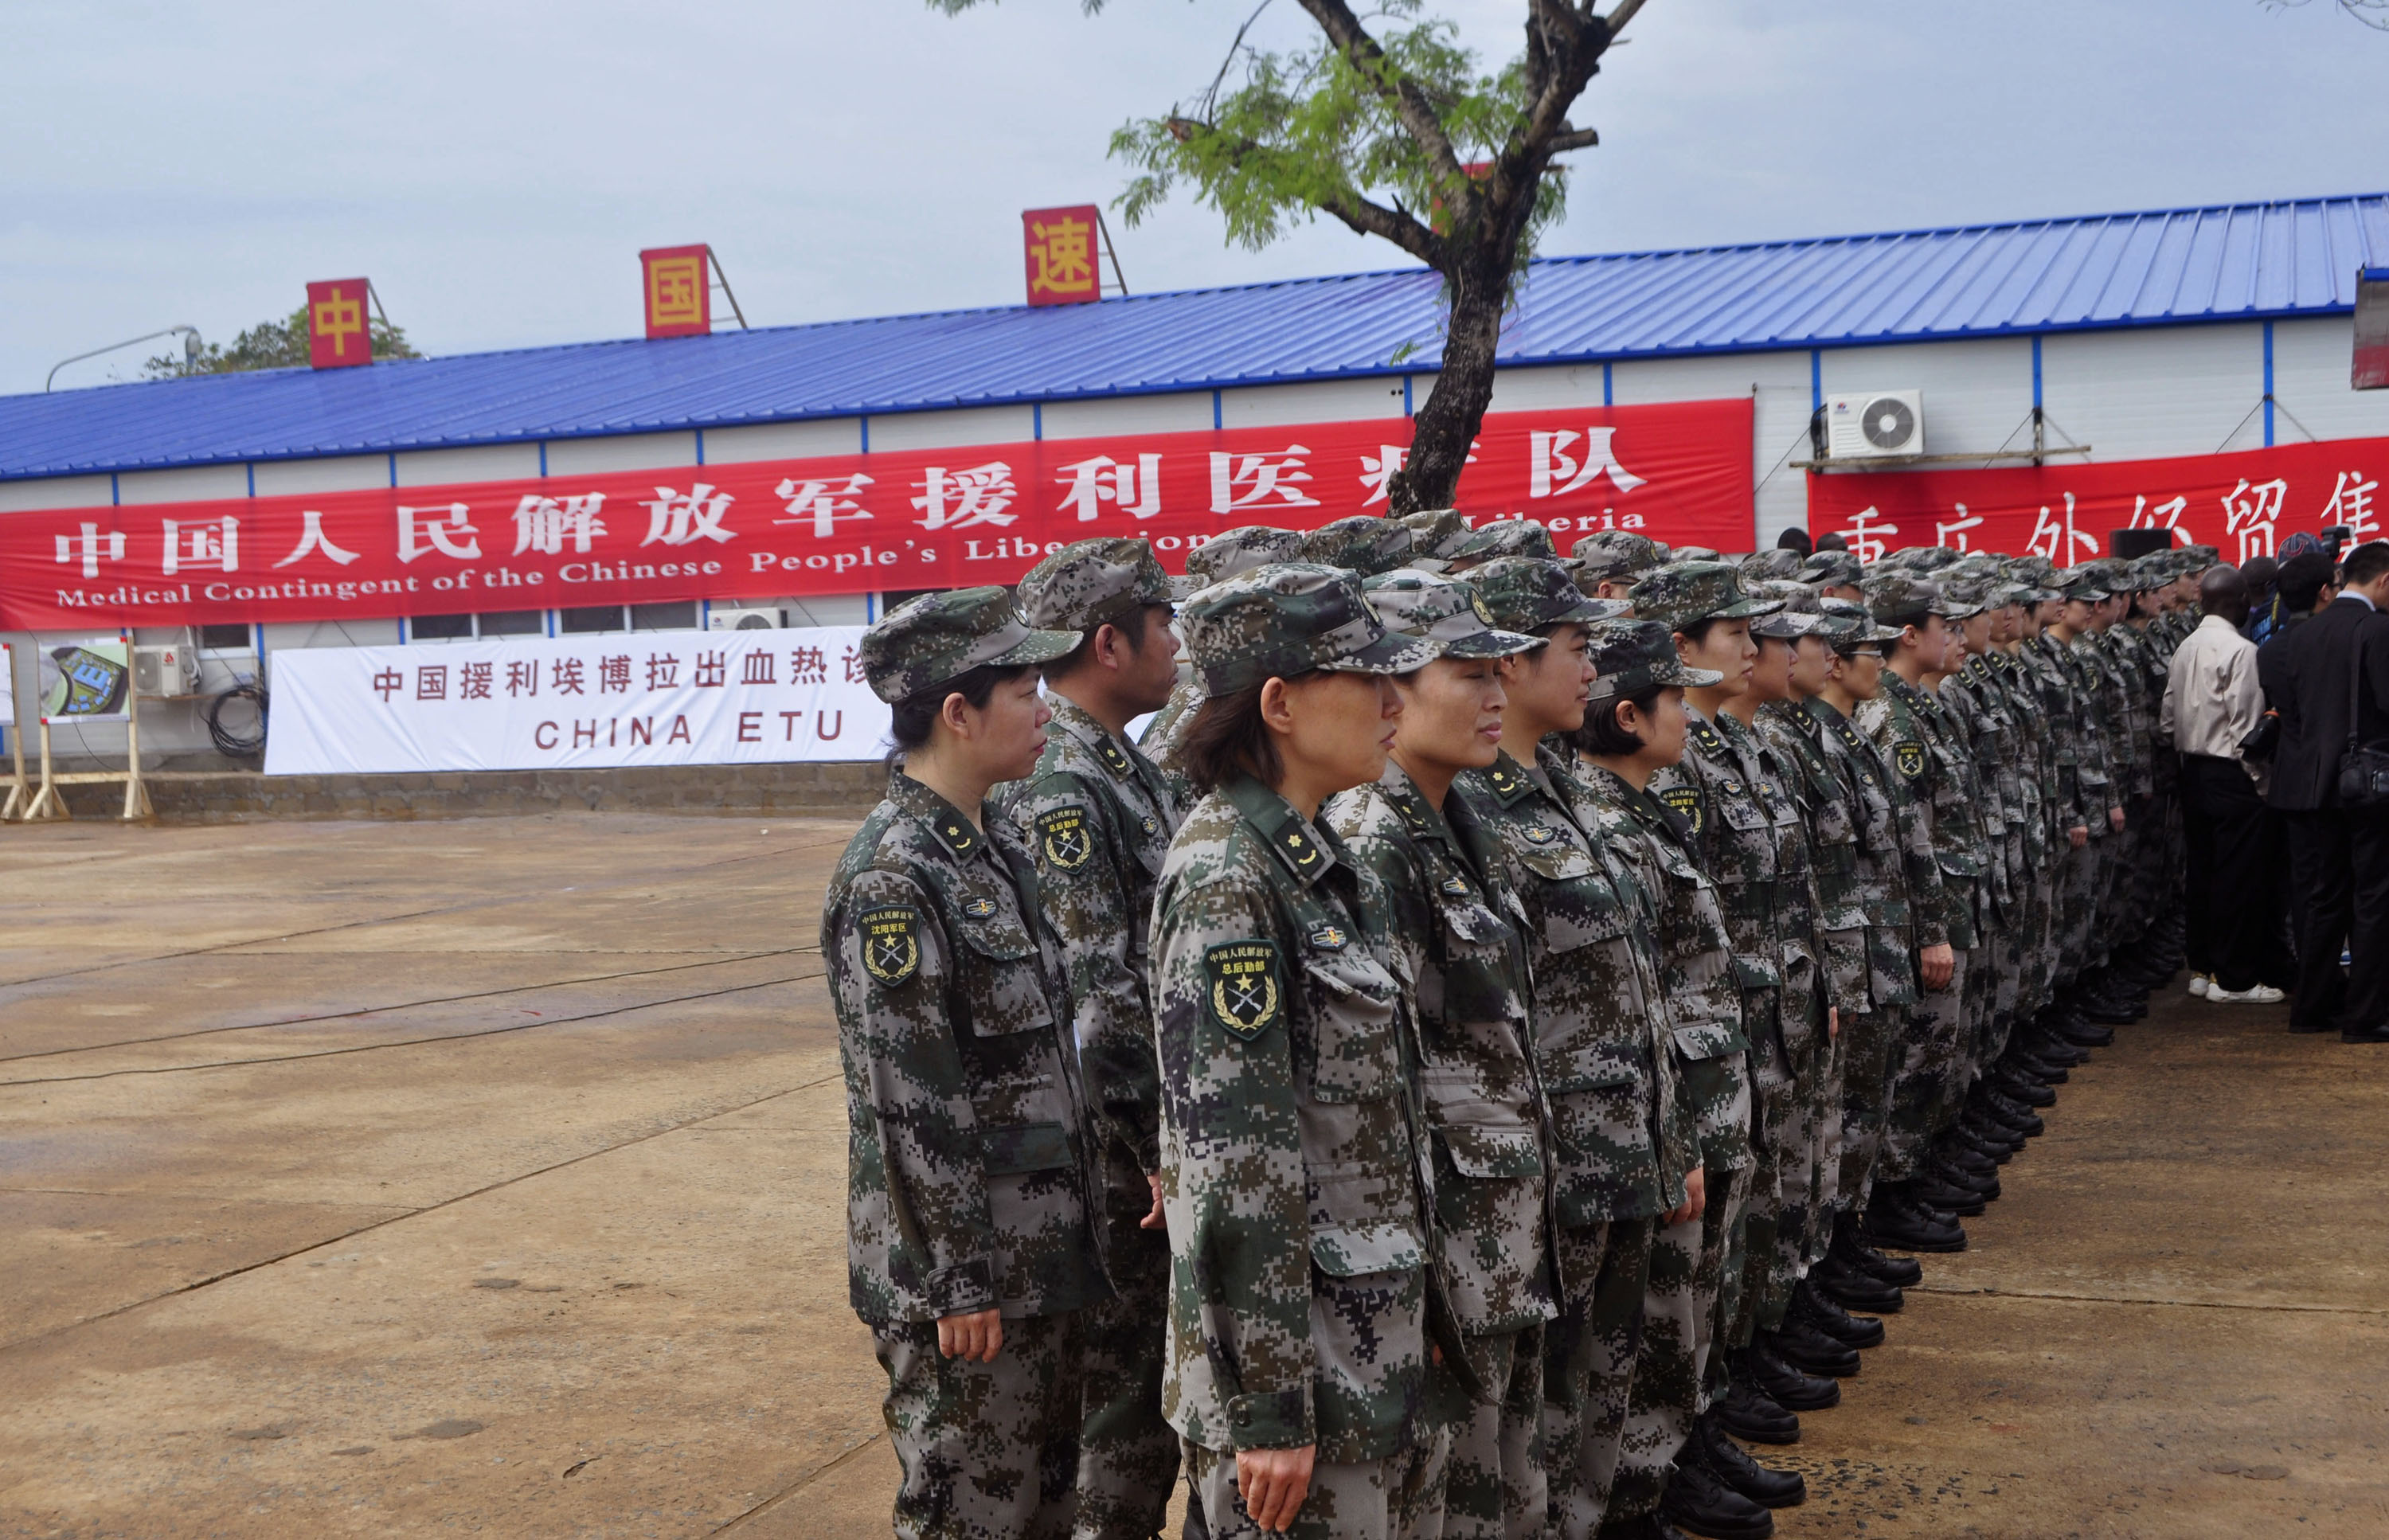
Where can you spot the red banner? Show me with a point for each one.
(2243, 504)
(923, 518)
(339, 335)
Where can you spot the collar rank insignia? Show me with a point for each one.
(891, 947)
(1327, 938)
(1298, 847)
(1113, 756)
(1065, 837)
(1501, 780)
(1706, 736)
(1540, 833)
(1410, 815)
(1907, 757)
(980, 908)
(1241, 980)
(1454, 887)
(958, 835)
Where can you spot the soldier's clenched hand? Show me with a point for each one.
(974, 1338)
(1937, 963)
(1696, 1199)
(1154, 1220)
(1273, 1483)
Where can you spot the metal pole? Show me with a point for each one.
(191, 331)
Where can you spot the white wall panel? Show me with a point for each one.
(978, 424)
(629, 451)
(1977, 394)
(187, 484)
(350, 472)
(1779, 385)
(822, 609)
(2310, 365)
(1181, 411)
(56, 491)
(1319, 401)
(1538, 390)
(2145, 395)
(331, 633)
(433, 467)
(730, 446)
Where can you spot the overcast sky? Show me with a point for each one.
(494, 166)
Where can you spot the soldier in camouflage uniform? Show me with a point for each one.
(1634, 727)
(2071, 686)
(1215, 560)
(1623, 1141)
(1099, 817)
(1294, 1167)
(1458, 923)
(1437, 535)
(1503, 537)
(1611, 560)
(971, 1253)
(1362, 544)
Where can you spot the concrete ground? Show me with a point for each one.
(486, 1178)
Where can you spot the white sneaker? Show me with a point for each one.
(2200, 983)
(2261, 994)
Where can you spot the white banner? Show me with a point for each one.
(575, 702)
(7, 686)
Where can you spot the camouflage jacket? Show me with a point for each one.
(1624, 1138)
(1976, 710)
(1098, 817)
(1893, 724)
(2027, 765)
(967, 1162)
(1164, 734)
(1697, 973)
(2077, 796)
(1893, 932)
(1829, 812)
(1292, 1170)
(1457, 924)
(2119, 710)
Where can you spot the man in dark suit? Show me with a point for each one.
(2339, 857)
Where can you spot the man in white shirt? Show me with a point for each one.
(2212, 700)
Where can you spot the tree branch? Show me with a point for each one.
(1409, 103)
(1616, 20)
(1571, 138)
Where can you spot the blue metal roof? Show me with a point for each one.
(2236, 261)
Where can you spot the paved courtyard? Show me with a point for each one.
(485, 1178)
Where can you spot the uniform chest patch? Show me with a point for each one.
(1685, 802)
(1453, 887)
(1328, 938)
(1907, 757)
(1538, 834)
(1241, 980)
(1065, 837)
(1149, 824)
(891, 942)
(981, 908)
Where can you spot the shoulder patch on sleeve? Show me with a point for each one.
(1907, 757)
(1065, 837)
(1685, 803)
(891, 942)
(1245, 986)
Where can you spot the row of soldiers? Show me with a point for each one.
(1494, 1044)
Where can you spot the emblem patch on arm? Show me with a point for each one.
(1907, 759)
(891, 942)
(1065, 838)
(1242, 979)
(1685, 803)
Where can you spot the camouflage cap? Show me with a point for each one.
(1435, 535)
(1964, 595)
(1234, 551)
(1631, 656)
(1850, 629)
(939, 636)
(1692, 554)
(1436, 608)
(1798, 618)
(1831, 570)
(1684, 593)
(2114, 574)
(1505, 537)
(2200, 558)
(1283, 621)
(1617, 552)
(1527, 593)
(1091, 582)
(1897, 599)
(2155, 570)
(1778, 563)
(2080, 582)
(1362, 544)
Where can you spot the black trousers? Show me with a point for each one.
(2339, 883)
(2234, 887)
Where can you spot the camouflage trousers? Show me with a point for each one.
(984, 1448)
(1128, 1452)
(1806, 1135)
(1589, 1366)
(1868, 1042)
(2077, 906)
(1399, 1497)
(1931, 1051)
(2037, 938)
(1783, 1124)
(1680, 1311)
(1494, 1485)
(1999, 993)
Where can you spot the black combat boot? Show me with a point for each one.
(1749, 1413)
(1699, 1502)
(1814, 1308)
(1732, 1464)
(1811, 1351)
(1859, 1250)
(1853, 1288)
(1789, 1387)
(1897, 1219)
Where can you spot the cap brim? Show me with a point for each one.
(1430, 563)
(1788, 624)
(1185, 586)
(1391, 653)
(1693, 678)
(1745, 609)
(1035, 648)
(1493, 644)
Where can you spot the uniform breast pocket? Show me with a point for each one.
(1599, 1100)
(1475, 960)
(1743, 814)
(1011, 1047)
(1578, 904)
(1353, 1052)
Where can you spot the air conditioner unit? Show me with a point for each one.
(168, 671)
(1874, 425)
(744, 620)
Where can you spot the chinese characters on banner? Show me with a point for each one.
(340, 334)
(678, 283)
(640, 698)
(2244, 505)
(1061, 249)
(852, 524)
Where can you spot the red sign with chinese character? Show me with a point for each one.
(2244, 505)
(678, 282)
(857, 523)
(340, 324)
(1061, 250)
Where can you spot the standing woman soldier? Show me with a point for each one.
(1458, 922)
(971, 1253)
(1293, 1172)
